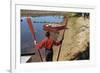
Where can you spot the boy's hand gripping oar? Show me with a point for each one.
(33, 34)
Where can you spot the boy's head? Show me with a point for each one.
(47, 34)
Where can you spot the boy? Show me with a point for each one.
(48, 43)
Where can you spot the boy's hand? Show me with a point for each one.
(35, 43)
(62, 38)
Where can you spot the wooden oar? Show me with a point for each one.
(33, 33)
(66, 20)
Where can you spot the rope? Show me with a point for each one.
(66, 20)
(33, 34)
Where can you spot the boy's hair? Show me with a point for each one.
(47, 34)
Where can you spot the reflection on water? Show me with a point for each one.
(26, 36)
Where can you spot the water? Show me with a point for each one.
(38, 22)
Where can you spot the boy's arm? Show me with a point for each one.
(40, 45)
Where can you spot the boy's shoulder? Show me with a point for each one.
(48, 39)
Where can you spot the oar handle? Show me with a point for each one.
(40, 55)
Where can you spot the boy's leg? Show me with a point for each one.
(49, 54)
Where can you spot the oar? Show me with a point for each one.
(33, 33)
(66, 20)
